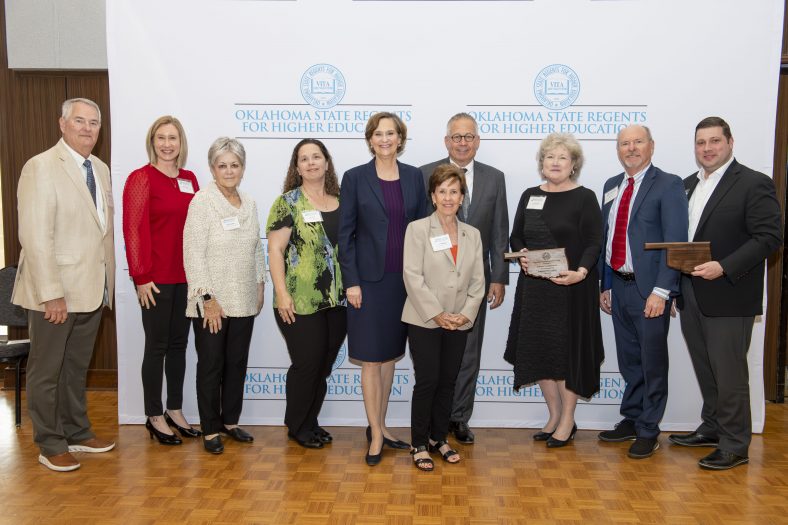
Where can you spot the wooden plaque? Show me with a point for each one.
(683, 256)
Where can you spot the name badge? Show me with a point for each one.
(231, 223)
(441, 242)
(185, 186)
(312, 216)
(536, 202)
(611, 195)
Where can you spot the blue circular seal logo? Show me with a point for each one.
(323, 86)
(340, 357)
(556, 86)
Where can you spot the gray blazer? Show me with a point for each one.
(488, 213)
(433, 282)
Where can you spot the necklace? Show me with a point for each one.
(315, 202)
(173, 178)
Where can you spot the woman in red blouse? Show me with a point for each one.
(155, 202)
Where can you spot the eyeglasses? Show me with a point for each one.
(469, 137)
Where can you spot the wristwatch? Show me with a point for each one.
(207, 297)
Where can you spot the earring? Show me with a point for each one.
(434, 204)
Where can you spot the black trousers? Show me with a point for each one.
(221, 371)
(718, 348)
(313, 342)
(437, 355)
(166, 336)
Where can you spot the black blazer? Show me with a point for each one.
(363, 223)
(743, 223)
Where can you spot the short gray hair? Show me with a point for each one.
(226, 145)
(567, 140)
(644, 128)
(69, 104)
(462, 116)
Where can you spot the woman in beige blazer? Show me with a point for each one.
(444, 279)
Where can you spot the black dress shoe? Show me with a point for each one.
(164, 439)
(185, 432)
(238, 434)
(558, 443)
(462, 432)
(323, 435)
(721, 460)
(214, 445)
(643, 448)
(542, 436)
(693, 439)
(311, 442)
(623, 431)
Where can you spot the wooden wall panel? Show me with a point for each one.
(29, 111)
(777, 277)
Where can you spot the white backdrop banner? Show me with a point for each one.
(273, 72)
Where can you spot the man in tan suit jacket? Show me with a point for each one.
(66, 275)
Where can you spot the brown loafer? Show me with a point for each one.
(64, 462)
(93, 445)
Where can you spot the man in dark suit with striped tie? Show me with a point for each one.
(484, 208)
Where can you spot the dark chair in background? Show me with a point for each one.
(13, 351)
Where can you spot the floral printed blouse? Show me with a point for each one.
(312, 273)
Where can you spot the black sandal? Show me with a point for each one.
(423, 464)
(445, 455)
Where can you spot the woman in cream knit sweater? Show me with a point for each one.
(225, 270)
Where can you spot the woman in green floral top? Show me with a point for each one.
(308, 296)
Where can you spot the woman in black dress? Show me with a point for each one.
(555, 337)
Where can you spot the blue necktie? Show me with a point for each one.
(91, 180)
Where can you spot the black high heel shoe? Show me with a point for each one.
(391, 443)
(164, 439)
(374, 459)
(543, 436)
(558, 443)
(185, 432)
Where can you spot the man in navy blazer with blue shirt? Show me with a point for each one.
(643, 204)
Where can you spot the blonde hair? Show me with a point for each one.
(163, 121)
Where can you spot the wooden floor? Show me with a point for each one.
(504, 478)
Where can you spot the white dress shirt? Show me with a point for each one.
(80, 160)
(468, 178)
(628, 266)
(701, 194)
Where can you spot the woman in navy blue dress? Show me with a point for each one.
(379, 199)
